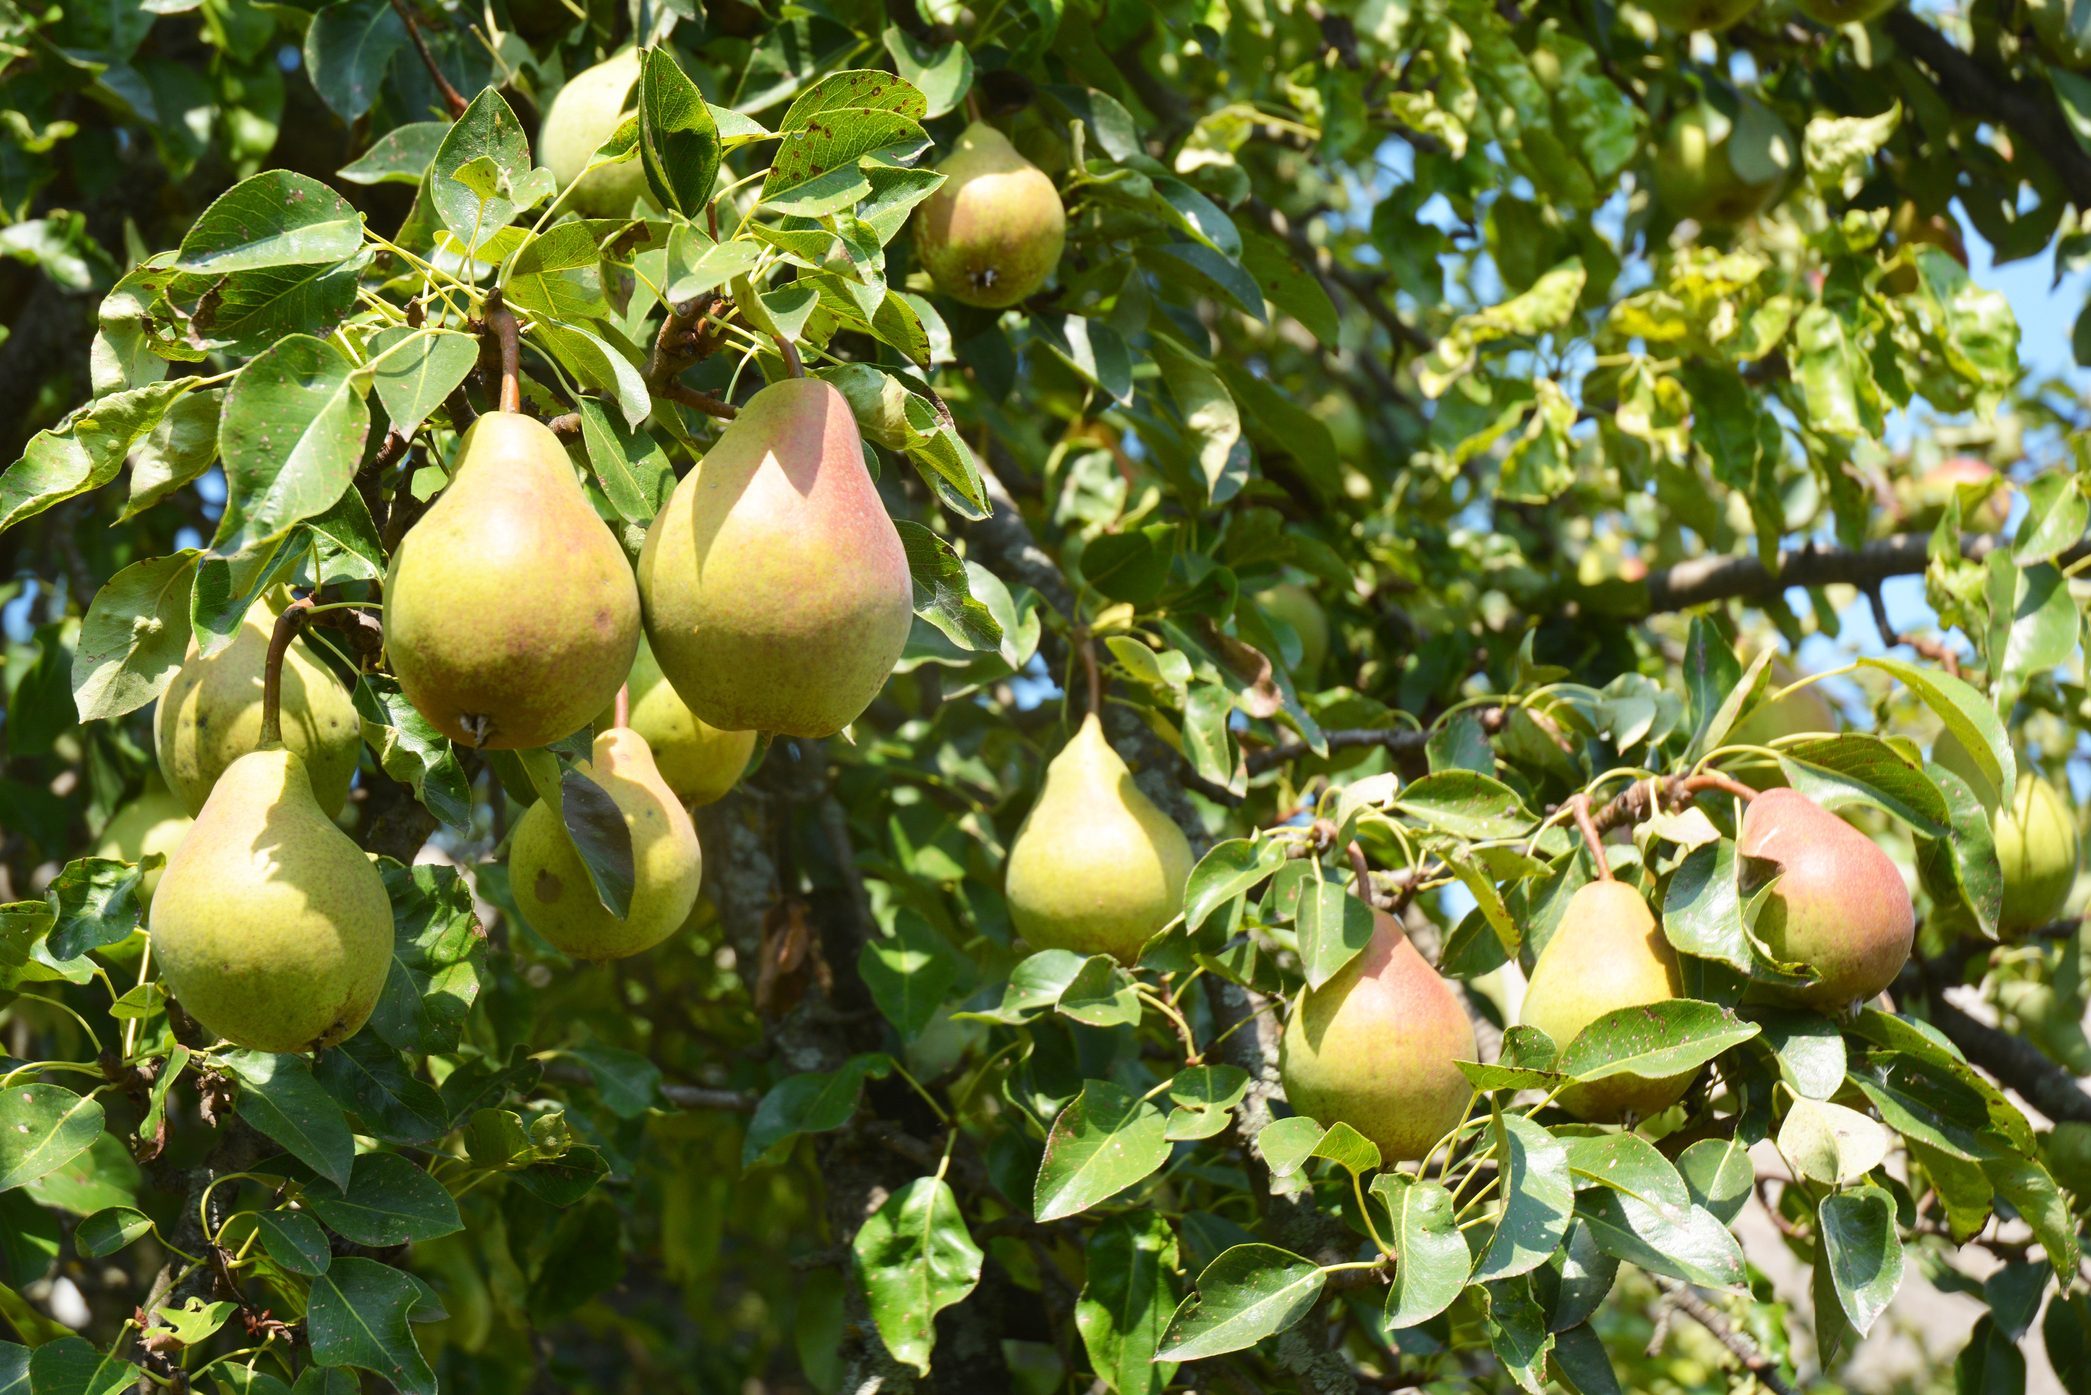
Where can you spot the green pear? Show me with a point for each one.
(585, 113)
(1606, 954)
(992, 232)
(1295, 605)
(1096, 868)
(511, 616)
(1839, 906)
(210, 715)
(1378, 1047)
(1722, 160)
(551, 884)
(776, 591)
(1802, 713)
(270, 927)
(2037, 848)
(154, 822)
(699, 762)
(1691, 16)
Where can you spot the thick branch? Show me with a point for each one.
(2014, 1061)
(1706, 579)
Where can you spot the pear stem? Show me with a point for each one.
(794, 366)
(1091, 674)
(1580, 807)
(1714, 780)
(972, 103)
(287, 625)
(451, 96)
(1361, 871)
(508, 335)
(621, 710)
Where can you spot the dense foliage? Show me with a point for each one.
(1438, 419)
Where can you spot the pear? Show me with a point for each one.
(210, 714)
(586, 113)
(1096, 867)
(1723, 161)
(2037, 849)
(1377, 1047)
(992, 232)
(1796, 714)
(270, 926)
(1691, 16)
(776, 591)
(551, 884)
(1606, 954)
(511, 616)
(1840, 906)
(154, 822)
(699, 762)
(1922, 499)
(1295, 605)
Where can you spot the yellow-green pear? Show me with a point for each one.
(1839, 905)
(1606, 954)
(511, 616)
(1378, 1046)
(776, 590)
(551, 884)
(1722, 161)
(2037, 849)
(699, 762)
(1096, 867)
(154, 822)
(992, 232)
(270, 927)
(210, 714)
(585, 113)
(1295, 605)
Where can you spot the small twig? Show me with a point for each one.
(1397, 740)
(1763, 1367)
(1594, 840)
(272, 673)
(1715, 780)
(508, 335)
(451, 97)
(697, 401)
(565, 426)
(1923, 646)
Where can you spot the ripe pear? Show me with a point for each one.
(699, 762)
(551, 884)
(1689, 16)
(154, 822)
(1606, 954)
(2037, 848)
(511, 616)
(587, 112)
(1377, 1047)
(776, 590)
(270, 926)
(210, 715)
(992, 233)
(1295, 605)
(1840, 905)
(1723, 160)
(1096, 867)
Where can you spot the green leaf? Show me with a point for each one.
(134, 636)
(909, 972)
(279, 1097)
(631, 466)
(1250, 1292)
(1655, 1041)
(1719, 1175)
(291, 437)
(1105, 1141)
(372, 1081)
(1969, 719)
(1830, 1144)
(388, 1201)
(488, 131)
(1101, 994)
(1539, 1197)
(678, 140)
(915, 1258)
(1034, 986)
(277, 218)
(70, 1366)
(598, 365)
(84, 452)
(195, 1321)
(42, 1128)
(943, 596)
(358, 1317)
(943, 75)
(109, 1230)
(295, 1241)
(1686, 1242)
(401, 155)
(349, 46)
(1466, 805)
(1862, 1250)
(96, 901)
(1433, 1261)
(1210, 416)
(1128, 1295)
(414, 370)
(813, 1102)
(1334, 928)
(1231, 868)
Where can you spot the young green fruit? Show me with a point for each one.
(1378, 1048)
(1690, 16)
(154, 822)
(210, 715)
(2037, 849)
(587, 112)
(699, 762)
(776, 590)
(1096, 867)
(1606, 954)
(551, 884)
(511, 616)
(1840, 906)
(1722, 162)
(270, 926)
(1295, 605)
(992, 233)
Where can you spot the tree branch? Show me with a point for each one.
(1706, 579)
(1766, 1370)
(2014, 1061)
(451, 97)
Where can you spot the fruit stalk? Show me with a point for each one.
(1580, 807)
(508, 336)
(287, 625)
